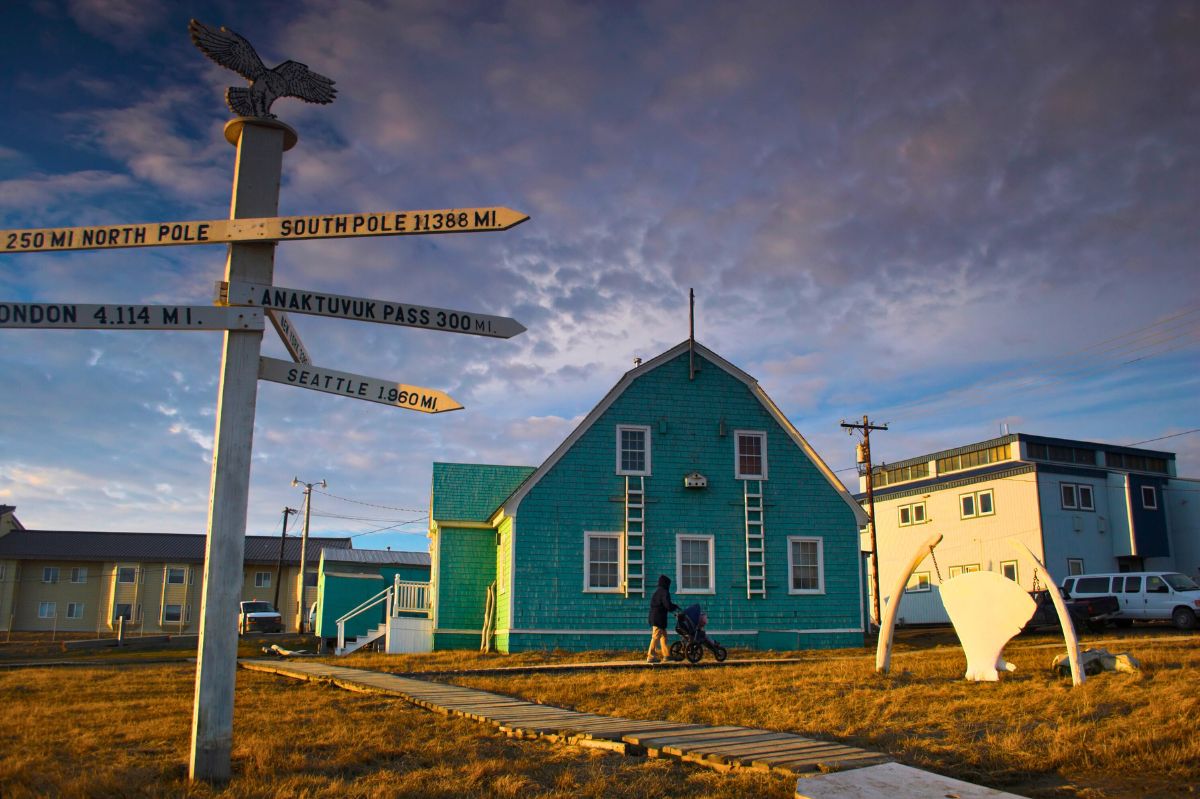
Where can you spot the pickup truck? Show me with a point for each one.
(259, 617)
(1092, 613)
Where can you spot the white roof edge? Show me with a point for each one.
(511, 504)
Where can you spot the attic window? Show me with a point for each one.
(633, 449)
(751, 457)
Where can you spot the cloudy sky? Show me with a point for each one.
(947, 215)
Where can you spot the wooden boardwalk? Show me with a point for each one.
(722, 748)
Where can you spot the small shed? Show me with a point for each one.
(350, 577)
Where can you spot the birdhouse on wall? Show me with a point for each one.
(695, 480)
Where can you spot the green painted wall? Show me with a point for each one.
(583, 493)
(466, 567)
(337, 594)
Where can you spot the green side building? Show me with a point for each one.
(687, 469)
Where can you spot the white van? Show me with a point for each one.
(1144, 596)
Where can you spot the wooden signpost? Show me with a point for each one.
(319, 303)
(345, 384)
(251, 232)
(262, 229)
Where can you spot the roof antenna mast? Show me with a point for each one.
(691, 334)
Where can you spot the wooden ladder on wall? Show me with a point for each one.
(756, 551)
(635, 535)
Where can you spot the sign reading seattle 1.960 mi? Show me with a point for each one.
(64, 315)
(319, 303)
(345, 384)
(281, 228)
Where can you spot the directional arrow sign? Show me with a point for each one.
(413, 398)
(389, 313)
(291, 339)
(61, 315)
(273, 228)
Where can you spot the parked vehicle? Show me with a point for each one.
(1144, 596)
(259, 617)
(1091, 613)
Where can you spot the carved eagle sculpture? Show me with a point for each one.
(289, 79)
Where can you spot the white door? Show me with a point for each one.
(1133, 604)
(1159, 601)
(409, 634)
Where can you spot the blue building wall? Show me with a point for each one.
(582, 492)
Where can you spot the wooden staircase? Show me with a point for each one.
(359, 642)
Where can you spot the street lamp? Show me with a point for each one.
(308, 487)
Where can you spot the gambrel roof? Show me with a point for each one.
(514, 501)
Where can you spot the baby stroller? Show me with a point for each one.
(690, 623)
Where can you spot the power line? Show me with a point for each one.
(371, 504)
(391, 527)
(1161, 438)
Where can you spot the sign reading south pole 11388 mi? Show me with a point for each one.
(283, 228)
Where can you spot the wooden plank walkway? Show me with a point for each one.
(722, 748)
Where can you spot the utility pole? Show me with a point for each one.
(279, 570)
(308, 487)
(865, 428)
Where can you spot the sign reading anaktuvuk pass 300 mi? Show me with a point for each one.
(282, 228)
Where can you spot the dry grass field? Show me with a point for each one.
(123, 730)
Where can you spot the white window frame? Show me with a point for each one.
(991, 495)
(74, 610)
(79, 574)
(645, 430)
(1015, 570)
(262, 579)
(619, 588)
(167, 575)
(737, 453)
(963, 568)
(50, 606)
(1062, 496)
(50, 576)
(116, 611)
(900, 513)
(921, 587)
(820, 542)
(712, 564)
(1091, 503)
(1070, 564)
(1153, 503)
(165, 620)
(962, 514)
(924, 513)
(129, 568)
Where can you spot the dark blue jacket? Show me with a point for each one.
(660, 603)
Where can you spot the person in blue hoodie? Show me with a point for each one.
(660, 606)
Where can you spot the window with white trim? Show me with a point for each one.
(1076, 496)
(47, 610)
(175, 575)
(126, 574)
(750, 455)
(123, 610)
(633, 449)
(694, 564)
(806, 565)
(262, 579)
(976, 503)
(49, 574)
(172, 614)
(1009, 569)
(912, 514)
(1085, 497)
(79, 574)
(918, 582)
(602, 563)
(1074, 565)
(957, 570)
(75, 610)
(1149, 498)
(1069, 500)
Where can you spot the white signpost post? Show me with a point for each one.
(251, 233)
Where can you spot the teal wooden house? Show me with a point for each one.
(685, 468)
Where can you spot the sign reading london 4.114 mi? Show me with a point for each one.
(67, 316)
(288, 228)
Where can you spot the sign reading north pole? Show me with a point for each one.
(345, 384)
(280, 228)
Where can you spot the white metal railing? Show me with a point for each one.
(402, 596)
